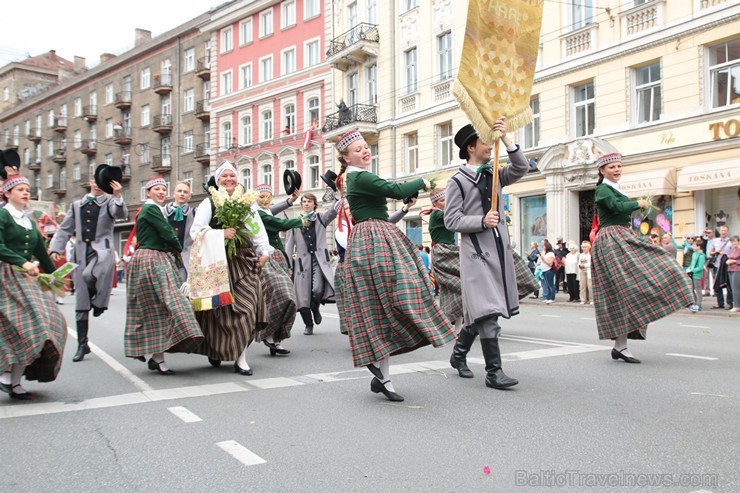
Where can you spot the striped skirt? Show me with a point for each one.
(159, 317)
(33, 330)
(635, 283)
(446, 268)
(231, 328)
(525, 281)
(388, 307)
(279, 294)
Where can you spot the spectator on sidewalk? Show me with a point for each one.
(560, 252)
(733, 269)
(571, 272)
(720, 247)
(696, 271)
(584, 274)
(534, 255)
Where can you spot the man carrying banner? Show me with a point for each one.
(489, 289)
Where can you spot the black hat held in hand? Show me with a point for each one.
(291, 181)
(105, 174)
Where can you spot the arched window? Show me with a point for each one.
(247, 178)
(225, 135)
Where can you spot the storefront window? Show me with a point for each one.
(722, 208)
(533, 221)
(659, 219)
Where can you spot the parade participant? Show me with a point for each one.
(180, 217)
(159, 317)
(34, 331)
(526, 283)
(230, 329)
(280, 304)
(489, 288)
(10, 163)
(387, 306)
(313, 276)
(91, 221)
(630, 274)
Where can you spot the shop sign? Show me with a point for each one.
(725, 130)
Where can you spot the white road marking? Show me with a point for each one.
(592, 319)
(693, 326)
(711, 395)
(274, 383)
(330, 315)
(115, 365)
(241, 453)
(184, 414)
(691, 356)
(550, 316)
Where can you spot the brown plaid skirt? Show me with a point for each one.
(388, 306)
(279, 294)
(340, 273)
(231, 328)
(635, 283)
(446, 268)
(525, 281)
(33, 330)
(159, 317)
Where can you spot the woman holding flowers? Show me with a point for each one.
(227, 215)
(33, 330)
(387, 306)
(635, 282)
(159, 317)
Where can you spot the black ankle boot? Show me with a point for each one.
(316, 313)
(460, 351)
(307, 321)
(82, 347)
(495, 376)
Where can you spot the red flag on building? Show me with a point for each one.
(309, 136)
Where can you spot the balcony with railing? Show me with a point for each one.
(203, 110)
(162, 84)
(60, 156)
(642, 18)
(89, 148)
(90, 113)
(162, 164)
(162, 124)
(122, 136)
(354, 47)
(59, 188)
(34, 164)
(85, 181)
(203, 68)
(11, 143)
(123, 100)
(60, 124)
(360, 116)
(580, 41)
(125, 173)
(203, 153)
(34, 135)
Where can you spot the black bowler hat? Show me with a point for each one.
(211, 183)
(463, 137)
(104, 174)
(330, 178)
(291, 181)
(414, 195)
(10, 158)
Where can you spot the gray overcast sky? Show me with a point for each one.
(87, 28)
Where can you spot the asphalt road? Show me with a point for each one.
(577, 421)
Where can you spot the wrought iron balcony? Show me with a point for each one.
(60, 124)
(162, 84)
(203, 68)
(360, 116)
(10, 143)
(85, 181)
(203, 110)
(59, 189)
(122, 137)
(90, 113)
(60, 156)
(354, 47)
(35, 164)
(162, 164)
(202, 154)
(89, 148)
(162, 124)
(34, 135)
(123, 100)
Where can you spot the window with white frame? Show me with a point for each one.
(52, 119)
(93, 135)
(245, 131)
(187, 176)
(314, 172)
(6, 94)
(108, 93)
(266, 69)
(166, 104)
(648, 93)
(408, 5)
(287, 14)
(78, 106)
(313, 56)
(62, 178)
(584, 109)
(226, 83)
(166, 149)
(145, 78)
(16, 134)
(146, 115)
(353, 82)
(445, 148)
(28, 127)
(266, 116)
(247, 178)
(411, 69)
(372, 11)
(227, 39)
(77, 139)
(313, 110)
(351, 20)
(266, 23)
(76, 172)
(49, 179)
(289, 118)
(108, 128)
(266, 173)
(289, 164)
(311, 8)
(225, 135)
(288, 61)
(724, 72)
(444, 55)
(206, 135)
(189, 60)
(582, 13)
(109, 159)
(372, 83)
(411, 152)
(187, 141)
(142, 190)
(146, 157)
(246, 29)
(245, 76)
(93, 100)
(188, 100)
(375, 160)
(531, 132)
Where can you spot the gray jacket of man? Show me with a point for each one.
(98, 276)
(486, 257)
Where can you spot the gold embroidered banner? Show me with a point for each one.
(498, 62)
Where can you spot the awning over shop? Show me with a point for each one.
(715, 174)
(655, 182)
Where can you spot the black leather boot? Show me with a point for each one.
(495, 376)
(306, 316)
(82, 347)
(460, 351)
(316, 313)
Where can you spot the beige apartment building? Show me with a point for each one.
(145, 110)
(658, 81)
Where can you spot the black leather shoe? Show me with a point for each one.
(377, 387)
(375, 371)
(619, 355)
(154, 366)
(316, 314)
(308, 331)
(82, 350)
(98, 311)
(25, 396)
(214, 362)
(241, 371)
(274, 349)
(499, 380)
(6, 387)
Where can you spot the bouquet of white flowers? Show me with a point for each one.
(234, 212)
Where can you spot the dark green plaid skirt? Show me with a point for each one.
(280, 306)
(525, 281)
(446, 268)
